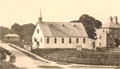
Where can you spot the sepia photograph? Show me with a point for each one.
(59, 34)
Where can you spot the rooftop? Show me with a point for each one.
(62, 29)
(11, 35)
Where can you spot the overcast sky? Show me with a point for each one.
(28, 11)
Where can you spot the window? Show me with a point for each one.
(100, 37)
(55, 40)
(35, 39)
(37, 43)
(106, 31)
(62, 40)
(70, 40)
(77, 40)
(37, 30)
(41, 39)
(103, 31)
(48, 40)
(100, 44)
(93, 43)
(8, 37)
(83, 40)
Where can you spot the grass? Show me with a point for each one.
(89, 57)
(79, 57)
(50, 67)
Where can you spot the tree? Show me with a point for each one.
(90, 24)
(16, 28)
(24, 31)
(4, 31)
(28, 30)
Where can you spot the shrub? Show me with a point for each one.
(101, 49)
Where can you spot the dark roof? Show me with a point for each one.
(62, 29)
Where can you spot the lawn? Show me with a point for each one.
(100, 57)
(79, 57)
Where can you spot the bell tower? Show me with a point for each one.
(40, 18)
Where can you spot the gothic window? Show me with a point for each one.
(100, 37)
(83, 40)
(37, 30)
(55, 40)
(100, 43)
(77, 40)
(103, 30)
(37, 43)
(41, 39)
(70, 40)
(62, 40)
(48, 40)
(35, 39)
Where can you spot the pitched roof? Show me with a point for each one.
(11, 35)
(111, 25)
(62, 29)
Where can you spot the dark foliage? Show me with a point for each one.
(117, 42)
(90, 24)
(24, 31)
(7, 64)
(4, 31)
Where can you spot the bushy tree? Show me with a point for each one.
(28, 30)
(90, 24)
(4, 31)
(24, 31)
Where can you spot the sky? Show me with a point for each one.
(28, 11)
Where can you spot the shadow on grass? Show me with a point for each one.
(57, 67)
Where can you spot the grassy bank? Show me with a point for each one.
(79, 57)
(100, 57)
(5, 64)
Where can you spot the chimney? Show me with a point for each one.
(110, 19)
(115, 20)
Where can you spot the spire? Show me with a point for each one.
(40, 14)
(40, 18)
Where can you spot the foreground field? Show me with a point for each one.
(79, 57)
(7, 64)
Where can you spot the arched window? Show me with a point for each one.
(77, 40)
(100, 37)
(37, 30)
(70, 40)
(35, 39)
(83, 40)
(41, 39)
(48, 40)
(38, 43)
(103, 30)
(100, 44)
(62, 40)
(55, 40)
